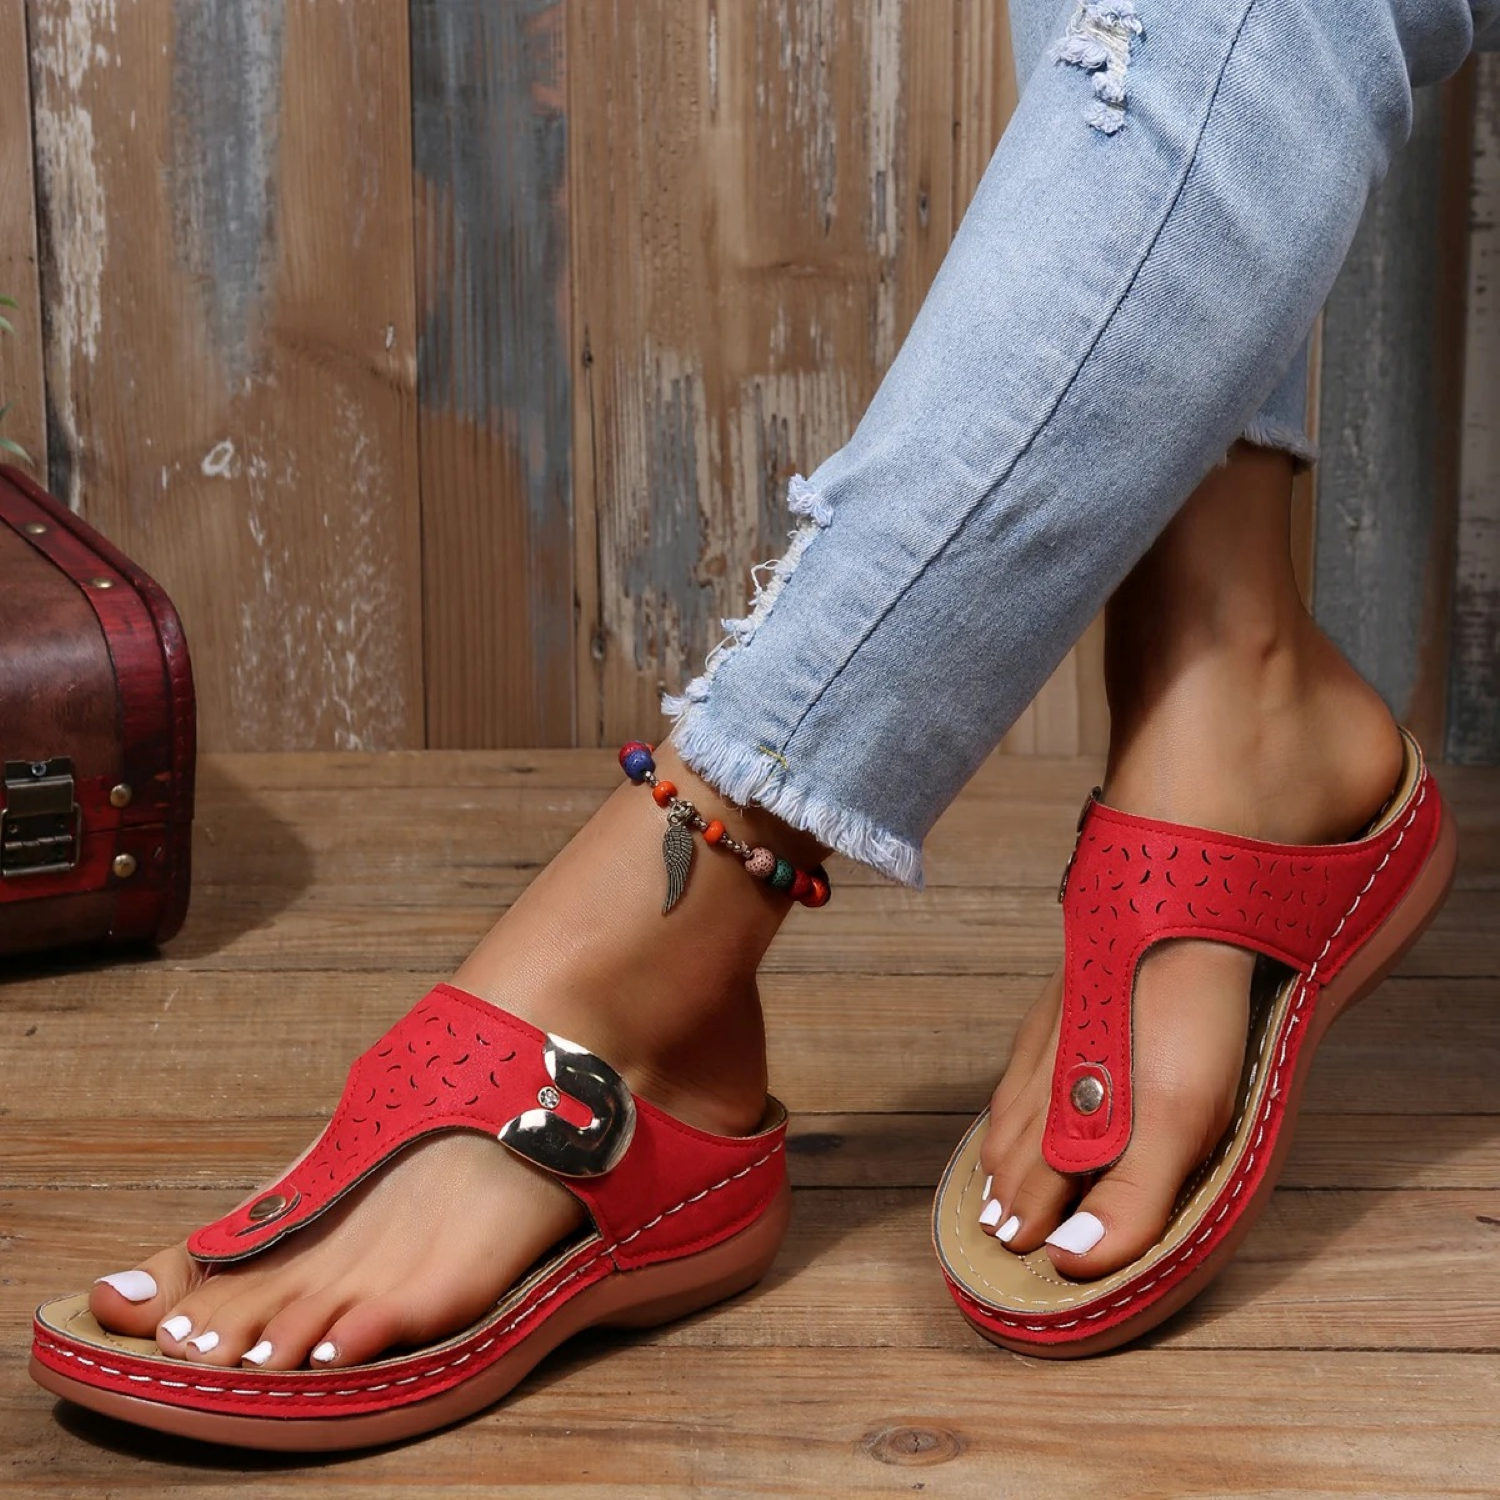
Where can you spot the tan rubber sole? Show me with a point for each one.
(1360, 977)
(630, 1299)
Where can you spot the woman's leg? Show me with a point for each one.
(1229, 709)
(1114, 310)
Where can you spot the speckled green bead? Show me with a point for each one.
(781, 878)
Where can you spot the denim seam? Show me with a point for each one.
(1062, 395)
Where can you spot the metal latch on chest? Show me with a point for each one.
(41, 827)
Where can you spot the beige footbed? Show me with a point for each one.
(1023, 1286)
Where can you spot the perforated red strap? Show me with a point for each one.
(1133, 882)
(457, 1062)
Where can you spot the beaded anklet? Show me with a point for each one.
(810, 887)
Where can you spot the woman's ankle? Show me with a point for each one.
(669, 999)
(1274, 738)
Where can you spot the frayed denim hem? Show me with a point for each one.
(743, 775)
(1291, 440)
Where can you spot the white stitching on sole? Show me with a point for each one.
(521, 1316)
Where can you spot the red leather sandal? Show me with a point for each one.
(681, 1219)
(1331, 919)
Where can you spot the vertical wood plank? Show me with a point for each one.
(21, 385)
(761, 195)
(1387, 488)
(1474, 681)
(489, 134)
(225, 218)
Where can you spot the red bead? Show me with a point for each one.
(714, 832)
(633, 745)
(801, 885)
(663, 791)
(819, 894)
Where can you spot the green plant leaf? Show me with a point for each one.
(10, 445)
(9, 302)
(7, 326)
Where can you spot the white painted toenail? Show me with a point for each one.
(205, 1343)
(324, 1353)
(1079, 1235)
(989, 1182)
(259, 1354)
(1007, 1231)
(989, 1215)
(133, 1286)
(177, 1328)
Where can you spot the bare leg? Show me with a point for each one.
(1231, 710)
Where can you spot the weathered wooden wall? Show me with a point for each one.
(447, 359)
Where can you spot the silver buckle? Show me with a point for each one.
(41, 828)
(544, 1138)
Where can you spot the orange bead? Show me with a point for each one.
(663, 791)
(714, 832)
(819, 894)
(801, 885)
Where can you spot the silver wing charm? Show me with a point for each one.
(677, 852)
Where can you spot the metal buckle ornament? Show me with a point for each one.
(549, 1141)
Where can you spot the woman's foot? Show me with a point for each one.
(1230, 710)
(430, 1243)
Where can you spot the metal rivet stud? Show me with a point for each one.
(1087, 1095)
(101, 583)
(548, 1097)
(119, 796)
(266, 1208)
(34, 528)
(124, 866)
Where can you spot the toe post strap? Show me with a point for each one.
(457, 1062)
(1133, 882)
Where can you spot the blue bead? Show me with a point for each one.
(637, 763)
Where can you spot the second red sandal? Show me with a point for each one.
(1330, 920)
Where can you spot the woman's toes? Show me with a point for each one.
(298, 1335)
(1034, 1208)
(364, 1333)
(134, 1301)
(1121, 1217)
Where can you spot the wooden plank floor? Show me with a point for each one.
(1352, 1349)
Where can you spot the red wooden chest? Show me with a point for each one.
(97, 736)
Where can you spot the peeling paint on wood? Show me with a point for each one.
(69, 40)
(1474, 680)
(1383, 524)
(226, 115)
(490, 150)
(232, 368)
(752, 199)
(22, 385)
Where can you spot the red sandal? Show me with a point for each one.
(1333, 919)
(681, 1219)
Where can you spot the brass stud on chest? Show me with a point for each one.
(119, 796)
(1087, 1095)
(34, 528)
(124, 866)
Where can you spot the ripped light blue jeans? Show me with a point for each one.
(1129, 292)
